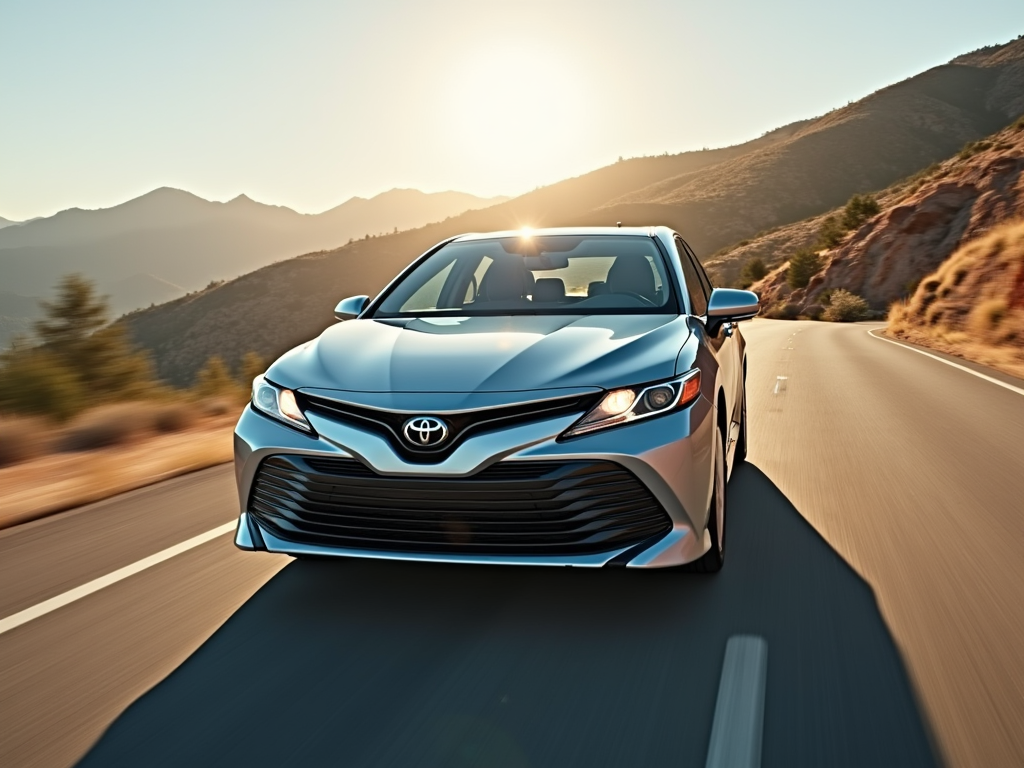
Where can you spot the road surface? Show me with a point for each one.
(874, 544)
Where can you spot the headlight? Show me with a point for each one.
(621, 406)
(278, 403)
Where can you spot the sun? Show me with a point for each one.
(512, 106)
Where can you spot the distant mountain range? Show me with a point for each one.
(168, 242)
(7, 222)
(715, 198)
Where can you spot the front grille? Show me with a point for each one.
(389, 424)
(510, 508)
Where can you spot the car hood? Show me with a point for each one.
(486, 354)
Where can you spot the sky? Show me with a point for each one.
(307, 103)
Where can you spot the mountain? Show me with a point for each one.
(922, 222)
(714, 198)
(186, 241)
(16, 316)
(7, 222)
(137, 291)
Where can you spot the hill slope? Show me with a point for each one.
(187, 241)
(713, 197)
(920, 225)
(973, 305)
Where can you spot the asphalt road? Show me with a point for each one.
(874, 541)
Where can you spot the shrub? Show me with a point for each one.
(252, 366)
(788, 311)
(803, 265)
(754, 270)
(109, 425)
(974, 147)
(174, 417)
(831, 233)
(814, 311)
(35, 383)
(22, 439)
(216, 381)
(846, 307)
(859, 209)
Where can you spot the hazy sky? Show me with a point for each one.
(306, 103)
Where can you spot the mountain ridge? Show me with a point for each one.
(188, 241)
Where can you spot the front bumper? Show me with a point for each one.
(671, 455)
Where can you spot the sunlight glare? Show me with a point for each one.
(513, 108)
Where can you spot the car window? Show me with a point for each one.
(694, 286)
(701, 272)
(551, 274)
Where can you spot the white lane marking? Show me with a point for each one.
(59, 601)
(739, 712)
(971, 371)
(780, 384)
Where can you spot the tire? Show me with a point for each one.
(740, 454)
(713, 559)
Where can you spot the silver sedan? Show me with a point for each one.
(570, 397)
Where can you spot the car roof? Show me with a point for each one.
(633, 231)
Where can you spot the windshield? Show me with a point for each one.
(560, 274)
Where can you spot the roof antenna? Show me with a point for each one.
(618, 224)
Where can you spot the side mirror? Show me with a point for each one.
(728, 305)
(351, 307)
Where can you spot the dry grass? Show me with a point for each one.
(56, 482)
(973, 305)
(123, 423)
(22, 439)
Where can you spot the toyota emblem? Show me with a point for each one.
(425, 431)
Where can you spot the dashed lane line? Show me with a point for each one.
(739, 711)
(65, 598)
(971, 371)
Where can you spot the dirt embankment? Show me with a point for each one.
(973, 305)
(54, 482)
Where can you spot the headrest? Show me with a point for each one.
(632, 273)
(549, 289)
(505, 279)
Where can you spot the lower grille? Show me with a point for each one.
(511, 508)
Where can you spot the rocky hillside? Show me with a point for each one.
(973, 305)
(921, 223)
(714, 198)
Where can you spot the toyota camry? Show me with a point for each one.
(570, 397)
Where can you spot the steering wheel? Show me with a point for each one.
(641, 297)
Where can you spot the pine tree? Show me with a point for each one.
(803, 265)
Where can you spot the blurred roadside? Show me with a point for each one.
(55, 482)
(83, 417)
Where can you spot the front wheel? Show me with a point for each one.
(713, 559)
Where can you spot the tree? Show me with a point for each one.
(76, 314)
(754, 270)
(80, 361)
(831, 233)
(859, 209)
(803, 265)
(252, 366)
